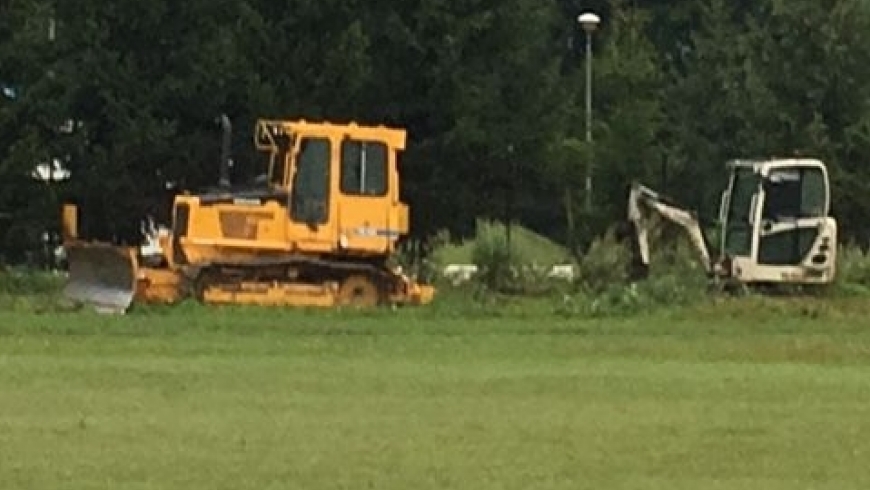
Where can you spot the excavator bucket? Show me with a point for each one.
(102, 276)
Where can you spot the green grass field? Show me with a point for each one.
(749, 393)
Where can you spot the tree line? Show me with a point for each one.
(125, 94)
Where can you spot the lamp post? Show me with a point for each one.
(509, 202)
(589, 22)
(51, 173)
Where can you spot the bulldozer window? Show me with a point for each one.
(363, 168)
(310, 191)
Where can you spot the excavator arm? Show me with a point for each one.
(643, 200)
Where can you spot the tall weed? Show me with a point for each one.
(604, 266)
(676, 277)
(853, 271)
(497, 261)
(510, 267)
(30, 290)
(28, 282)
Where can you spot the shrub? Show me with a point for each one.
(676, 277)
(27, 282)
(30, 290)
(497, 261)
(604, 266)
(853, 271)
(426, 268)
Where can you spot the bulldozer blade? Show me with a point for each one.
(102, 276)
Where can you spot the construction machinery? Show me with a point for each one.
(319, 229)
(774, 224)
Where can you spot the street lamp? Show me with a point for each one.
(51, 173)
(589, 22)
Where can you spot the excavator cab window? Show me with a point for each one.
(310, 191)
(791, 194)
(738, 221)
(794, 193)
(363, 168)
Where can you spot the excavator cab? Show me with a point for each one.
(775, 222)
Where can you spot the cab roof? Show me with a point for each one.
(392, 137)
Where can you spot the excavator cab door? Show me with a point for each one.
(738, 215)
(795, 200)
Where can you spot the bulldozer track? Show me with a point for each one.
(307, 270)
(297, 260)
(323, 269)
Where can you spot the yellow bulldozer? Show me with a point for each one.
(320, 229)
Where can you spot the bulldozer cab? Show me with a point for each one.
(341, 181)
(775, 223)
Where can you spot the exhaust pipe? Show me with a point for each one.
(227, 127)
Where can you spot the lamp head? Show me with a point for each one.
(589, 21)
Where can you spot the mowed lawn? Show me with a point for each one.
(734, 396)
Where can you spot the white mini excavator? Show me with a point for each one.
(774, 222)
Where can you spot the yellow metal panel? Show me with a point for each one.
(393, 137)
(204, 252)
(70, 222)
(365, 223)
(252, 245)
(401, 218)
(158, 285)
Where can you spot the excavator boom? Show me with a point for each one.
(643, 199)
